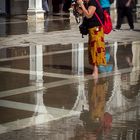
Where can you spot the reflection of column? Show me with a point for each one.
(136, 63)
(81, 100)
(3, 27)
(35, 16)
(117, 79)
(115, 101)
(36, 78)
(115, 53)
(136, 54)
(36, 63)
(78, 59)
(36, 74)
(78, 69)
(134, 74)
(40, 109)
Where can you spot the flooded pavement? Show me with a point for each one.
(47, 93)
(19, 25)
(46, 88)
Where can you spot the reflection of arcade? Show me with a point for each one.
(124, 56)
(130, 81)
(124, 102)
(97, 121)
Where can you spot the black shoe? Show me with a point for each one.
(131, 29)
(116, 29)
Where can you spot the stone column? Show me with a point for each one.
(138, 10)
(35, 16)
(35, 11)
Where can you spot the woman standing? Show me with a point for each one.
(96, 44)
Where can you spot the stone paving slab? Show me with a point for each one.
(67, 37)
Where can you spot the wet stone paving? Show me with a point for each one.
(47, 92)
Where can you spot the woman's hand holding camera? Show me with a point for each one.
(80, 2)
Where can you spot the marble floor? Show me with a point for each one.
(47, 91)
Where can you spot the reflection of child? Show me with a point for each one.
(109, 61)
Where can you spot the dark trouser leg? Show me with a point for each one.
(67, 5)
(129, 17)
(120, 16)
(55, 4)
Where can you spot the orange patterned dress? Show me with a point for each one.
(96, 46)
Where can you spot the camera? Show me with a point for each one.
(75, 6)
(74, 1)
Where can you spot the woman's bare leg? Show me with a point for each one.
(95, 72)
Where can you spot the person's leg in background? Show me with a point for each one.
(45, 6)
(55, 4)
(66, 5)
(129, 16)
(120, 16)
(61, 6)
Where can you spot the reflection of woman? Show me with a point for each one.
(96, 120)
(97, 100)
(97, 106)
(96, 47)
(109, 61)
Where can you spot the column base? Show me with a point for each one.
(36, 26)
(35, 15)
(35, 20)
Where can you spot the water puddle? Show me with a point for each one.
(53, 85)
